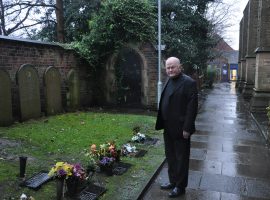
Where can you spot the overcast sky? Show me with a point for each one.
(232, 33)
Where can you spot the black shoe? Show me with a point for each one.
(167, 186)
(176, 192)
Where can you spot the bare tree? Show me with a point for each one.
(17, 16)
(221, 14)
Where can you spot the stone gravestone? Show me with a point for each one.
(5, 99)
(52, 81)
(29, 93)
(73, 98)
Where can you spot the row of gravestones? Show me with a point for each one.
(27, 81)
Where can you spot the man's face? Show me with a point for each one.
(173, 68)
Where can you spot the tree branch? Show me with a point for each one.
(29, 4)
(10, 30)
(24, 26)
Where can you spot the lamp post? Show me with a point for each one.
(159, 84)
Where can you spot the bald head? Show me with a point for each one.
(174, 60)
(173, 67)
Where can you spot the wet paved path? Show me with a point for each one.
(229, 157)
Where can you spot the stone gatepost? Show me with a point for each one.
(261, 93)
(252, 26)
(5, 99)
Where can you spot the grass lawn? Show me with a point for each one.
(67, 137)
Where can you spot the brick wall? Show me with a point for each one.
(150, 55)
(16, 52)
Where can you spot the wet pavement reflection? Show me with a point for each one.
(230, 159)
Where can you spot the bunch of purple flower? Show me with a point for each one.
(106, 161)
(78, 171)
(66, 170)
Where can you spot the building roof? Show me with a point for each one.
(223, 46)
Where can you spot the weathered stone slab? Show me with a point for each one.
(240, 158)
(211, 167)
(52, 81)
(206, 146)
(220, 183)
(258, 188)
(73, 93)
(229, 196)
(251, 171)
(5, 99)
(29, 93)
(198, 154)
(194, 179)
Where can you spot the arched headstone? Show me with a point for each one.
(73, 93)
(52, 82)
(5, 99)
(29, 93)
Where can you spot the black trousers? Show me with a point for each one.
(177, 151)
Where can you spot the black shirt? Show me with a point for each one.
(170, 87)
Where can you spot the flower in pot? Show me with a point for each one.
(71, 173)
(106, 164)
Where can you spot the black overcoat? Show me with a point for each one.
(182, 107)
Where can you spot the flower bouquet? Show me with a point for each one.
(128, 149)
(71, 174)
(64, 170)
(105, 156)
(105, 150)
(137, 136)
(106, 165)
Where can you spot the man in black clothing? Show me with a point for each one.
(176, 115)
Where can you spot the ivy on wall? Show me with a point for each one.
(116, 23)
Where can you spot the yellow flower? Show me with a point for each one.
(59, 164)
